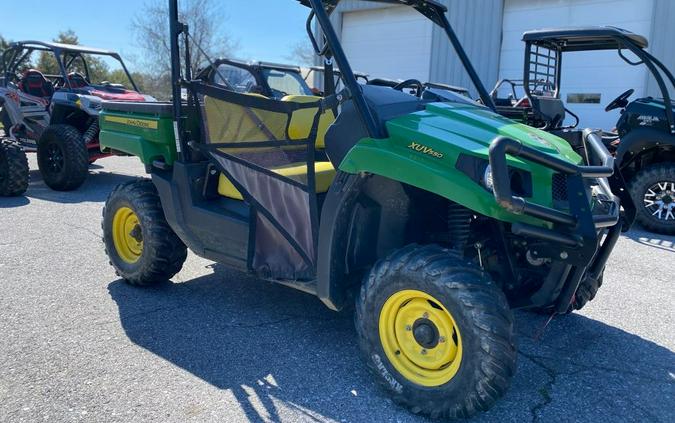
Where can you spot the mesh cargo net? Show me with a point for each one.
(267, 158)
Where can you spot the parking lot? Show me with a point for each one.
(78, 344)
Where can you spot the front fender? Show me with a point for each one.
(639, 141)
(432, 174)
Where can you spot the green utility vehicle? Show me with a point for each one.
(436, 219)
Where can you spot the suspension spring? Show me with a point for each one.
(459, 221)
(91, 134)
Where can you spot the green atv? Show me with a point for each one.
(436, 219)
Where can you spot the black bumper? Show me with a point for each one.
(576, 234)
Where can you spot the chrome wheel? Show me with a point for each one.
(659, 200)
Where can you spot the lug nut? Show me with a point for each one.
(424, 352)
(441, 339)
(564, 255)
(408, 328)
(425, 315)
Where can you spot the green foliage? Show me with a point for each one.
(47, 63)
(3, 43)
(99, 70)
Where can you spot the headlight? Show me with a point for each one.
(479, 170)
(487, 178)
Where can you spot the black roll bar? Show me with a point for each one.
(468, 66)
(345, 68)
(175, 29)
(433, 11)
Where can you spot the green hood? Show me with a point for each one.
(474, 128)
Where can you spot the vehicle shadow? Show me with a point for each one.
(96, 188)
(650, 239)
(267, 343)
(11, 202)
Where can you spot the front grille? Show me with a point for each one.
(559, 187)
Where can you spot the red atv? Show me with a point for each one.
(54, 115)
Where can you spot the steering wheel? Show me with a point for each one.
(620, 102)
(410, 83)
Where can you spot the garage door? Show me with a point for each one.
(393, 42)
(601, 73)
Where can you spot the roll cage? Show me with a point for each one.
(256, 69)
(64, 54)
(544, 49)
(330, 49)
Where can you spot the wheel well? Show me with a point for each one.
(70, 116)
(647, 158)
(375, 216)
(644, 147)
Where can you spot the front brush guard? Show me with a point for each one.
(574, 239)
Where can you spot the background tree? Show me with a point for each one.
(302, 54)
(204, 18)
(3, 44)
(47, 62)
(98, 68)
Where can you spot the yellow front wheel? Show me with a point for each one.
(420, 338)
(138, 240)
(436, 332)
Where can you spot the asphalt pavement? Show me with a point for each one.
(78, 344)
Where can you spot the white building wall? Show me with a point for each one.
(599, 72)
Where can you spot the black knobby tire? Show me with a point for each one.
(163, 253)
(63, 158)
(6, 122)
(483, 318)
(14, 174)
(639, 186)
(588, 289)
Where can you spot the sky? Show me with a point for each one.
(106, 24)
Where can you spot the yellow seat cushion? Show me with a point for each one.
(325, 173)
(301, 120)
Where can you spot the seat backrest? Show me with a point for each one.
(301, 121)
(230, 122)
(33, 82)
(384, 103)
(550, 110)
(77, 80)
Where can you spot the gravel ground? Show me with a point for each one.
(78, 344)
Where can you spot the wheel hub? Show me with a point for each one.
(425, 333)
(54, 158)
(659, 200)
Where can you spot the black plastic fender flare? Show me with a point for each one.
(334, 231)
(639, 141)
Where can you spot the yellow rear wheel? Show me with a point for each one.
(420, 338)
(127, 235)
(138, 240)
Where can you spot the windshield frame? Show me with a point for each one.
(437, 13)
